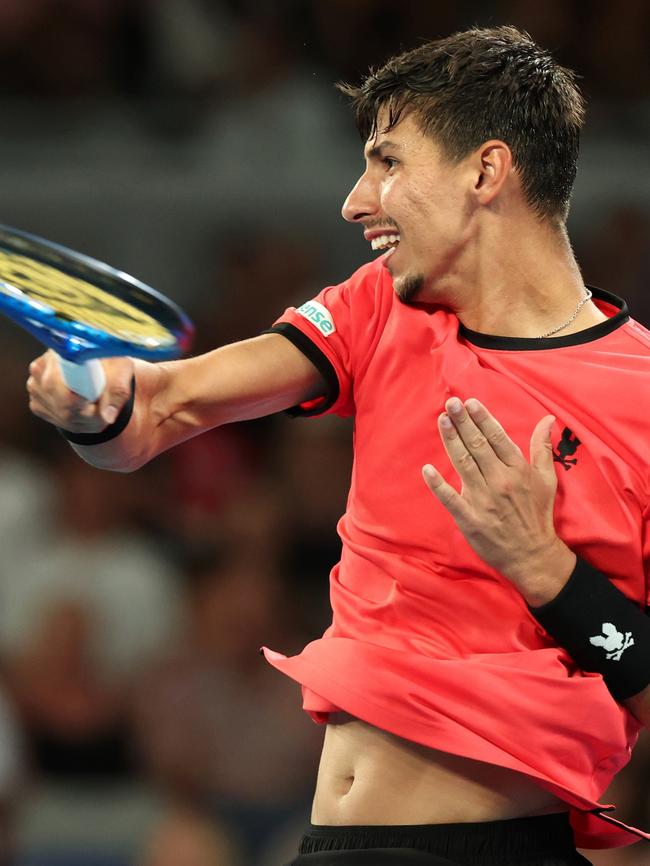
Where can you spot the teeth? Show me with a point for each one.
(384, 241)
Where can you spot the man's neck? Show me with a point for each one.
(521, 280)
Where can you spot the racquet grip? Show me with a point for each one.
(86, 379)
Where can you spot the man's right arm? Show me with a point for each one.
(175, 400)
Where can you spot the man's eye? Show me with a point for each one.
(389, 162)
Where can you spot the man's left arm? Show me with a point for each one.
(505, 511)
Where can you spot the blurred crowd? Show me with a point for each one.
(139, 725)
(153, 48)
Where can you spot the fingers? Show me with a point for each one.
(541, 449)
(474, 439)
(445, 493)
(51, 399)
(119, 372)
(47, 390)
(496, 436)
(464, 460)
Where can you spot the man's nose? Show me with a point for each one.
(362, 201)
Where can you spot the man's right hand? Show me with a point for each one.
(175, 400)
(52, 400)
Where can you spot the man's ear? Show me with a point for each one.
(492, 163)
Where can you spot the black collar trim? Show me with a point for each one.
(520, 344)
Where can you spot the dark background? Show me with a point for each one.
(202, 147)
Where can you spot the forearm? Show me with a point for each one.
(177, 400)
(604, 632)
(545, 575)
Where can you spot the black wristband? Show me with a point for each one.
(602, 629)
(111, 432)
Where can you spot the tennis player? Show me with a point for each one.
(486, 671)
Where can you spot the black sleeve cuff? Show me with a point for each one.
(322, 363)
(111, 432)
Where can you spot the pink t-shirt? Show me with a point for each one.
(427, 641)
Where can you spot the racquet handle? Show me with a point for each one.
(86, 379)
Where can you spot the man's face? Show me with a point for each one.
(410, 194)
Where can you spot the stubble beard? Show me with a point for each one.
(408, 288)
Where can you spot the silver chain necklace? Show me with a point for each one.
(568, 321)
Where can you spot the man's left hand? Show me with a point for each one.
(505, 507)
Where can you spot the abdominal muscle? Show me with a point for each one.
(367, 776)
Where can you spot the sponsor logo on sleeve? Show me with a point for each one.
(318, 315)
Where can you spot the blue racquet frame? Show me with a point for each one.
(78, 343)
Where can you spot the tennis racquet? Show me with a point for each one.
(85, 310)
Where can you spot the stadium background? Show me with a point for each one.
(201, 146)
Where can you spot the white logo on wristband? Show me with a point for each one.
(612, 641)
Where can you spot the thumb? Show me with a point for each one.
(541, 447)
(116, 394)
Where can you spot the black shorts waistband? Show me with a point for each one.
(486, 842)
